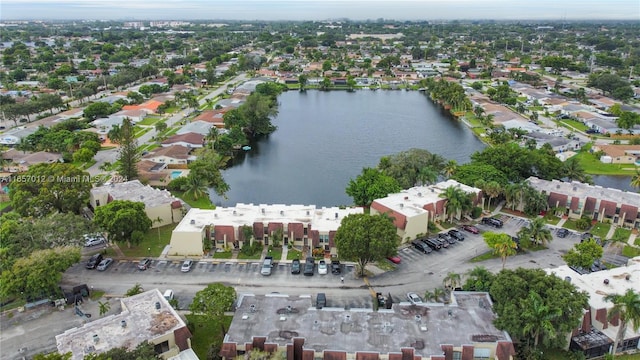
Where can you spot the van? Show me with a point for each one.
(266, 266)
(321, 300)
(168, 295)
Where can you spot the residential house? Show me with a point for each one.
(171, 155)
(578, 199)
(462, 329)
(13, 136)
(197, 127)
(619, 154)
(154, 173)
(20, 161)
(558, 143)
(414, 208)
(192, 140)
(144, 317)
(159, 204)
(301, 225)
(597, 332)
(215, 117)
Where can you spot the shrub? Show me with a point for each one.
(584, 223)
(177, 184)
(476, 212)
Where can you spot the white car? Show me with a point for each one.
(186, 266)
(322, 267)
(414, 298)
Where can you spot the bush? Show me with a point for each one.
(476, 211)
(584, 223)
(251, 249)
(431, 226)
(177, 184)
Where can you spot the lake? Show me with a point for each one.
(325, 138)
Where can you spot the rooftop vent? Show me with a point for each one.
(450, 312)
(567, 279)
(336, 215)
(215, 215)
(307, 212)
(96, 338)
(481, 303)
(141, 197)
(420, 194)
(406, 198)
(432, 190)
(283, 318)
(253, 307)
(606, 281)
(347, 317)
(157, 305)
(401, 206)
(418, 318)
(575, 188)
(245, 316)
(281, 212)
(192, 222)
(289, 308)
(262, 210)
(235, 212)
(123, 323)
(628, 277)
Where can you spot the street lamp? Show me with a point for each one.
(149, 251)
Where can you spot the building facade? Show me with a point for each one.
(232, 227)
(412, 209)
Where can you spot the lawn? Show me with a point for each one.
(149, 120)
(151, 245)
(222, 255)
(601, 230)
(142, 131)
(593, 166)
(202, 203)
(293, 254)
(637, 241)
(552, 220)
(4, 204)
(621, 234)
(256, 256)
(276, 253)
(570, 224)
(486, 256)
(206, 332)
(630, 251)
(574, 124)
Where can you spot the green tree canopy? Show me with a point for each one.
(627, 307)
(38, 275)
(214, 300)
(470, 173)
(128, 155)
(366, 238)
(515, 308)
(49, 188)
(121, 218)
(409, 167)
(370, 185)
(501, 244)
(583, 254)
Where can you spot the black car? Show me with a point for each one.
(443, 243)
(94, 261)
(335, 267)
(446, 238)
(309, 266)
(295, 266)
(562, 233)
(321, 300)
(491, 221)
(433, 244)
(517, 241)
(420, 246)
(456, 234)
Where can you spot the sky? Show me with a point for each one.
(320, 9)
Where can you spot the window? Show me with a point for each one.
(98, 203)
(457, 355)
(481, 353)
(161, 348)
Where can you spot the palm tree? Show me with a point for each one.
(538, 232)
(538, 317)
(455, 198)
(158, 220)
(438, 294)
(573, 170)
(627, 307)
(196, 187)
(429, 295)
(426, 175)
(502, 245)
(635, 180)
(450, 168)
(478, 111)
(104, 307)
(493, 189)
(451, 282)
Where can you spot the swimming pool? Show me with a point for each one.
(176, 174)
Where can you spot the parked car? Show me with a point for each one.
(144, 264)
(562, 233)
(431, 244)
(414, 298)
(395, 259)
(321, 300)
(420, 246)
(104, 264)
(267, 265)
(295, 266)
(470, 228)
(168, 294)
(335, 267)
(186, 266)
(447, 238)
(517, 241)
(444, 244)
(456, 234)
(93, 240)
(491, 221)
(309, 266)
(94, 261)
(322, 267)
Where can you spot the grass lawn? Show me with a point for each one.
(151, 245)
(142, 131)
(149, 120)
(574, 124)
(222, 255)
(570, 224)
(448, 225)
(593, 166)
(96, 294)
(256, 256)
(630, 251)
(637, 241)
(486, 256)
(4, 204)
(276, 253)
(201, 203)
(385, 265)
(293, 254)
(621, 234)
(206, 331)
(601, 230)
(552, 220)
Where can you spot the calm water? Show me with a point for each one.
(324, 139)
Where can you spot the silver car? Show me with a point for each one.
(186, 266)
(104, 264)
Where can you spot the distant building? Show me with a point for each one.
(158, 203)
(596, 333)
(301, 225)
(412, 209)
(144, 317)
(13, 136)
(20, 161)
(462, 330)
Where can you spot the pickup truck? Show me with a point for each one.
(267, 265)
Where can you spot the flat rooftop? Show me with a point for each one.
(135, 191)
(324, 219)
(582, 190)
(142, 321)
(468, 320)
(410, 202)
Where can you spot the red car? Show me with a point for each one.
(470, 228)
(395, 259)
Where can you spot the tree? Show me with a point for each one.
(38, 275)
(48, 188)
(104, 307)
(162, 126)
(128, 155)
(207, 167)
(371, 184)
(214, 300)
(302, 80)
(451, 282)
(121, 218)
(409, 167)
(536, 231)
(479, 279)
(502, 245)
(98, 110)
(627, 308)
(144, 351)
(366, 238)
(53, 356)
(83, 155)
(583, 254)
(195, 187)
(538, 317)
(135, 290)
(635, 180)
(573, 170)
(457, 200)
(450, 168)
